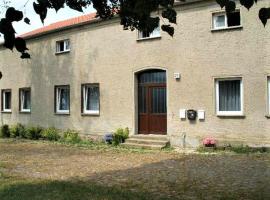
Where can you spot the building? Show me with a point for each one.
(91, 76)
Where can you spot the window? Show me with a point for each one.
(147, 34)
(223, 20)
(229, 97)
(90, 99)
(62, 99)
(6, 100)
(25, 100)
(62, 46)
(268, 79)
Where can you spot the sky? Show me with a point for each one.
(52, 16)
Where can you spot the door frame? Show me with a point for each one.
(135, 95)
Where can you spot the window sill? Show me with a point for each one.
(148, 38)
(62, 113)
(90, 114)
(231, 115)
(62, 52)
(226, 28)
(25, 112)
(8, 112)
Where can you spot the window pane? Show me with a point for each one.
(63, 95)
(147, 34)
(67, 44)
(92, 98)
(219, 21)
(230, 95)
(26, 99)
(156, 32)
(61, 46)
(152, 76)
(158, 100)
(7, 100)
(233, 19)
(142, 99)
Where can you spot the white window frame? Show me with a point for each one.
(4, 100)
(57, 99)
(66, 46)
(22, 90)
(229, 113)
(268, 94)
(85, 111)
(155, 34)
(223, 13)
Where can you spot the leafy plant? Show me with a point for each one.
(4, 131)
(71, 136)
(120, 136)
(241, 149)
(51, 134)
(33, 133)
(17, 130)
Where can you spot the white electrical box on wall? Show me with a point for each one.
(177, 75)
(182, 113)
(201, 114)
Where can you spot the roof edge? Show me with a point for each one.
(61, 29)
(179, 3)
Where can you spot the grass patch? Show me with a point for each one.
(88, 144)
(64, 190)
(236, 149)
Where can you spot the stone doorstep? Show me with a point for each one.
(150, 137)
(146, 141)
(144, 146)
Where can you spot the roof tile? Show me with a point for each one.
(60, 25)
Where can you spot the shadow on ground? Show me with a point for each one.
(64, 190)
(58, 173)
(170, 179)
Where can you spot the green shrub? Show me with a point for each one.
(17, 130)
(241, 149)
(51, 134)
(33, 133)
(4, 131)
(71, 136)
(120, 136)
(248, 149)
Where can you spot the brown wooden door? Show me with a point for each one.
(152, 103)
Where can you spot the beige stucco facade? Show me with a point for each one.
(103, 53)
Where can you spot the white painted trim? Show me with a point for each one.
(151, 35)
(58, 111)
(226, 27)
(4, 101)
(268, 95)
(92, 112)
(25, 110)
(149, 38)
(229, 113)
(22, 100)
(65, 46)
(85, 111)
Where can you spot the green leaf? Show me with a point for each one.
(168, 29)
(264, 15)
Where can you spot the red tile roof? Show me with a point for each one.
(60, 25)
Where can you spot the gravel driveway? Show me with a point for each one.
(163, 174)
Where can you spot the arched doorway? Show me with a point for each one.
(152, 102)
